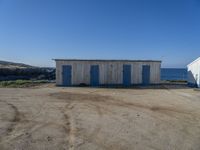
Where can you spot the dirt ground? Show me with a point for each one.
(57, 118)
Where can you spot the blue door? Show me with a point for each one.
(67, 75)
(94, 75)
(127, 75)
(145, 74)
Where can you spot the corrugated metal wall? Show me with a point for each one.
(111, 72)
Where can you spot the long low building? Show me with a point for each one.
(71, 72)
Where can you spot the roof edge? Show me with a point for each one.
(193, 61)
(107, 60)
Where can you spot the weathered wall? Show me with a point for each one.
(110, 72)
(194, 73)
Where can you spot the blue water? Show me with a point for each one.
(173, 74)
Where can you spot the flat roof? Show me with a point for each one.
(107, 60)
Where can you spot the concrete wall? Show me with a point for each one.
(111, 72)
(194, 73)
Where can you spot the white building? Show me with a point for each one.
(194, 73)
(71, 72)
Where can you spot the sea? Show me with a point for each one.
(173, 74)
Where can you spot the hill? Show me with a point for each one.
(7, 64)
(16, 71)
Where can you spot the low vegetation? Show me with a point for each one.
(22, 83)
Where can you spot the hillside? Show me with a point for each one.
(16, 71)
(6, 64)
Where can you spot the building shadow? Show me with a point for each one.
(192, 79)
(163, 85)
(157, 86)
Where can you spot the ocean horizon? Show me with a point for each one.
(173, 73)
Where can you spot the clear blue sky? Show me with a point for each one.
(35, 31)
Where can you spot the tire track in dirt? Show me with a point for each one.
(108, 100)
(99, 102)
(17, 116)
(70, 126)
(98, 127)
(35, 126)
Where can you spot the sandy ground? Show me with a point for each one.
(56, 118)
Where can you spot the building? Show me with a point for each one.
(194, 73)
(107, 72)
